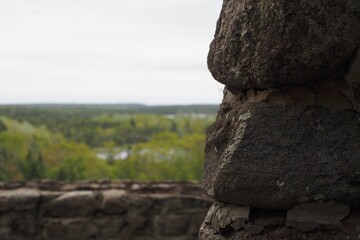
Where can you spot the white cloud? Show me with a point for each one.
(107, 51)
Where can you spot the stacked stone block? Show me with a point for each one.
(101, 210)
(286, 141)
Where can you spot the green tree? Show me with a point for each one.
(2, 126)
(33, 166)
(70, 170)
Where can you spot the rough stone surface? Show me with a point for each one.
(351, 225)
(286, 141)
(311, 222)
(267, 43)
(83, 211)
(276, 149)
(72, 204)
(329, 213)
(20, 199)
(223, 215)
(114, 202)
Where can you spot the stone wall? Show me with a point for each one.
(283, 156)
(102, 210)
(314, 220)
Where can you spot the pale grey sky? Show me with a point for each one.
(99, 51)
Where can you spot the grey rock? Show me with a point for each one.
(108, 227)
(224, 215)
(261, 44)
(276, 150)
(114, 201)
(254, 229)
(171, 211)
(19, 199)
(303, 226)
(210, 213)
(172, 225)
(73, 204)
(72, 229)
(257, 232)
(208, 233)
(238, 224)
(329, 213)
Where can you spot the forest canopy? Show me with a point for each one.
(75, 142)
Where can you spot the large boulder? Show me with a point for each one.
(286, 141)
(271, 43)
(275, 149)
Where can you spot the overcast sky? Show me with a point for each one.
(107, 51)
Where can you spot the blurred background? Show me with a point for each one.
(96, 89)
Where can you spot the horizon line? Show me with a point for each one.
(109, 103)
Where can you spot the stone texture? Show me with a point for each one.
(19, 199)
(307, 221)
(207, 233)
(254, 229)
(286, 141)
(172, 225)
(267, 43)
(274, 150)
(114, 202)
(73, 204)
(221, 216)
(102, 210)
(329, 213)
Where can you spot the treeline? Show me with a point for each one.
(63, 143)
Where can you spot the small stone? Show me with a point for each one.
(237, 211)
(135, 187)
(136, 220)
(224, 216)
(329, 213)
(19, 199)
(73, 204)
(238, 224)
(114, 202)
(318, 197)
(280, 183)
(210, 213)
(254, 229)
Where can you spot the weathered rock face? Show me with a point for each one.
(320, 221)
(286, 141)
(280, 148)
(101, 210)
(267, 43)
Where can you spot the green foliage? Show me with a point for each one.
(32, 167)
(165, 157)
(70, 169)
(64, 143)
(2, 126)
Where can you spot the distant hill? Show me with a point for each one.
(130, 108)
